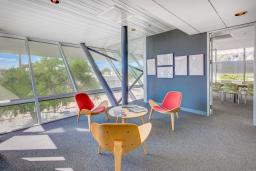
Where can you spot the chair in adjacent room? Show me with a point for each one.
(86, 107)
(217, 88)
(232, 89)
(170, 105)
(120, 139)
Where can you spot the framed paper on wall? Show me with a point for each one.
(165, 59)
(196, 64)
(165, 72)
(181, 65)
(151, 67)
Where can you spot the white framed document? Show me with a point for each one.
(165, 72)
(181, 65)
(196, 64)
(165, 59)
(151, 67)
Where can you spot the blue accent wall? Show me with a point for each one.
(194, 88)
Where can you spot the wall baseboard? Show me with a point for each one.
(194, 111)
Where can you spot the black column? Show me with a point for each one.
(124, 52)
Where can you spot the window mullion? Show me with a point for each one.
(32, 76)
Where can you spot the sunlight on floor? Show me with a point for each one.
(28, 142)
(38, 128)
(43, 158)
(82, 129)
(64, 169)
(55, 130)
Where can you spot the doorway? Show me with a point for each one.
(232, 72)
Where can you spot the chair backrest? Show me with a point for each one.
(83, 101)
(106, 134)
(172, 100)
(230, 86)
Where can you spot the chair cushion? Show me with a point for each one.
(98, 109)
(159, 109)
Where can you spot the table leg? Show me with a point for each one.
(116, 119)
(123, 120)
(142, 119)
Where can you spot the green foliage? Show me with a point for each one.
(83, 74)
(231, 77)
(17, 81)
(51, 79)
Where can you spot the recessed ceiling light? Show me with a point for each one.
(55, 1)
(240, 13)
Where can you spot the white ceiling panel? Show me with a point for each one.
(163, 14)
(240, 38)
(197, 13)
(227, 9)
(97, 23)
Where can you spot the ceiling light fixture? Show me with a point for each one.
(55, 1)
(240, 13)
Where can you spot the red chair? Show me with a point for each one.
(86, 107)
(170, 105)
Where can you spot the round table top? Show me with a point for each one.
(127, 111)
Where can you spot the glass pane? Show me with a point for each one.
(106, 70)
(81, 69)
(15, 80)
(50, 73)
(17, 116)
(230, 65)
(138, 92)
(57, 109)
(249, 56)
(98, 98)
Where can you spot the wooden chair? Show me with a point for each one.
(86, 107)
(120, 139)
(170, 105)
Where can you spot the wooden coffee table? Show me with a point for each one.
(126, 112)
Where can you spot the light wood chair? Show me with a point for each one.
(120, 139)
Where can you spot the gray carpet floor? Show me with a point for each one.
(225, 141)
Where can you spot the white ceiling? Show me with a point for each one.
(240, 38)
(97, 22)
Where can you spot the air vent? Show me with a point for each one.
(115, 14)
(222, 35)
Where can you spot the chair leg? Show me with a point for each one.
(177, 115)
(142, 119)
(172, 121)
(118, 155)
(99, 150)
(106, 116)
(78, 116)
(145, 149)
(151, 111)
(89, 122)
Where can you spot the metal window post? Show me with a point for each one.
(244, 58)
(102, 80)
(119, 75)
(124, 57)
(67, 68)
(37, 105)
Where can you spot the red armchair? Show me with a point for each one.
(170, 105)
(86, 107)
